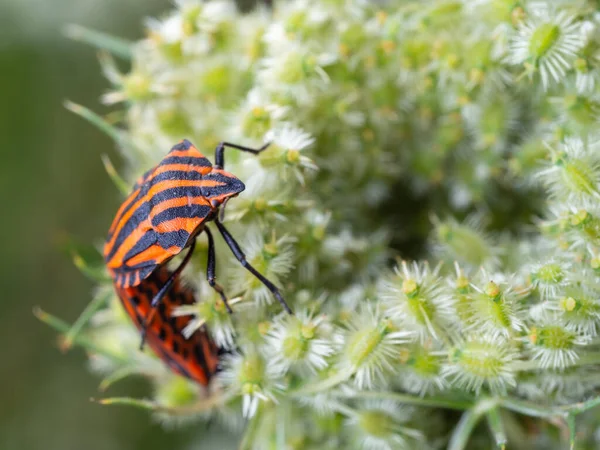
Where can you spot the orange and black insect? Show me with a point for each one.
(196, 358)
(168, 208)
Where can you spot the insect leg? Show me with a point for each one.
(164, 290)
(210, 269)
(220, 151)
(239, 254)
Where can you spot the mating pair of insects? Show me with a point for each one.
(169, 206)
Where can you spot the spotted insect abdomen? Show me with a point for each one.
(196, 358)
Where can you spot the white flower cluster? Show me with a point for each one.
(435, 130)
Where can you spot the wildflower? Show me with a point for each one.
(574, 172)
(496, 308)
(287, 146)
(273, 258)
(481, 360)
(297, 68)
(251, 377)
(553, 345)
(300, 341)
(422, 369)
(416, 301)
(466, 242)
(492, 120)
(547, 42)
(256, 117)
(549, 277)
(212, 313)
(580, 310)
(368, 347)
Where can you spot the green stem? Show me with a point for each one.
(202, 406)
(431, 402)
(530, 409)
(118, 375)
(571, 424)
(322, 385)
(91, 309)
(345, 410)
(251, 429)
(519, 439)
(116, 46)
(119, 182)
(585, 360)
(578, 408)
(114, 133)
(468, 421)
(497, 426)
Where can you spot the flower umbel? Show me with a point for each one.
(480, 116)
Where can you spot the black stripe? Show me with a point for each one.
(142, 179)
(177, 192)
(231, 185)
(144, 272)
(148, 291)
(188, 212)
(175, 175)
(162, 333)
(177, 238)
(144, 188)
(144, 210)
(166, 357)
(196, 161)
(183, 145)
(198, 353)
(129, 202)
(128, 227)
(148, 239)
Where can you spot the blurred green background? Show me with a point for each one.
(52, 184)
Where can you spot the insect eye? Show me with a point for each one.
(215, 203)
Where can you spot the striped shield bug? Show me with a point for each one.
(196, 358)
(168, 208)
